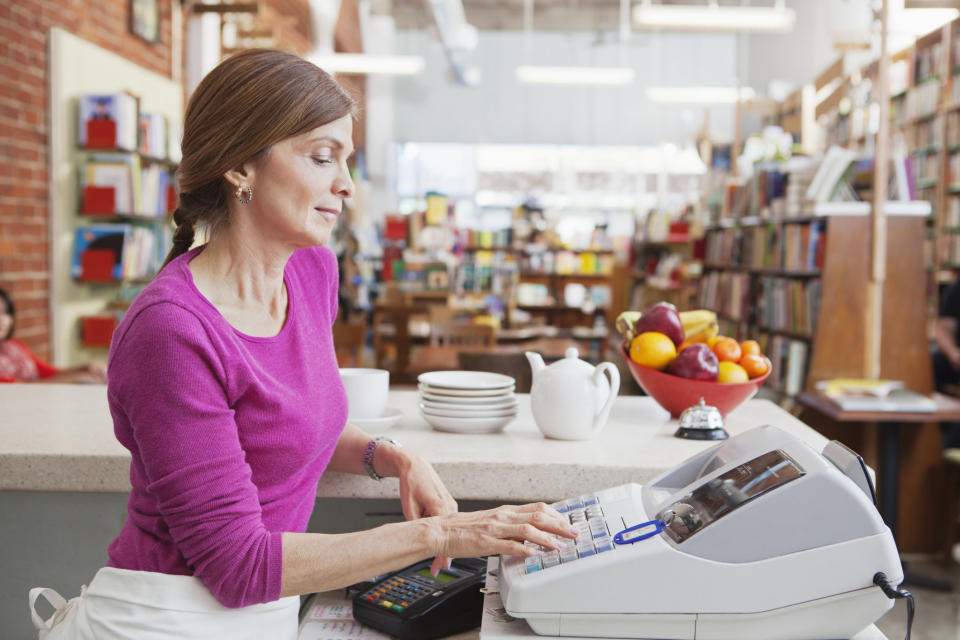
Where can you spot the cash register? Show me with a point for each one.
(760, 536)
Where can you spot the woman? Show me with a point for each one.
(19, 364)
(223, 384)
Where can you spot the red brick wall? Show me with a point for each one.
(24, 214)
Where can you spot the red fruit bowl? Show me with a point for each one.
(675, 394)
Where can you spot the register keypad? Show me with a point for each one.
(586, 515)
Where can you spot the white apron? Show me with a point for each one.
(144, 605)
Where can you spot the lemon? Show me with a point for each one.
(653, 349)
(732, 372)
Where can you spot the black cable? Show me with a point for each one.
(880, 579)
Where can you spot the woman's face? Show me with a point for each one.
(6, 319)
(300, 185)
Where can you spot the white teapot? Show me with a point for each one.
(571, 398)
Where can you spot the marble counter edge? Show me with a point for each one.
(465, 480)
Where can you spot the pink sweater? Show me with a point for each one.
(229, 433)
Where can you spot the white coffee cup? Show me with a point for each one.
(366, 392)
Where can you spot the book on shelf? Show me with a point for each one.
(788, 305)
(153, 135)
(725, 292)
(137, 188)
(836, 162)
(115, 252)
(107, 121)
(789, 360)
(117, 171)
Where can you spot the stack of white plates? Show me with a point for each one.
(467, 401)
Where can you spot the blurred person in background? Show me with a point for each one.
(19, 364)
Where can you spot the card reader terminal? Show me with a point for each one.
(411, 604)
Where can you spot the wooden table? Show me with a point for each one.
(948, 409)
(890, 422)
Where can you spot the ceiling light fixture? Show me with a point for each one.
(713, 17)
(365, 63)
(699, 95)
(575, 75)
(323, 16)
(538, 74)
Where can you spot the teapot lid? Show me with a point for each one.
(701, 422)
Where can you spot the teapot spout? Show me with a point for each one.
(536, 362)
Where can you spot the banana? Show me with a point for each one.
(699, 325)
(701, 332)
(694, 318)
(626, 321)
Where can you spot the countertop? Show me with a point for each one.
(60, 438)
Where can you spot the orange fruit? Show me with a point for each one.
(731, 372)
(712, 341)
(754, 364)
(750, 347)
(653, 349)
(727, 349)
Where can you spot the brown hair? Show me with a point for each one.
(248, 103)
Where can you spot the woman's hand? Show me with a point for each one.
(423, 494)
(500, 531)
(96, 371)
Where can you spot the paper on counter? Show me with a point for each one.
(338, 630)
(330, 617)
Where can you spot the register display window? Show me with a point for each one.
(717, 497)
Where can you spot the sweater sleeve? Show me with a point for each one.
(167, 382)
(44, 368)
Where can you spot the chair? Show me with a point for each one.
(461, 334)
(446, 342)
(513, 364)
(348, 341)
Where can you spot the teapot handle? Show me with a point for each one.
(614, 375)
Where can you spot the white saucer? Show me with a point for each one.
(462, 413)
(460, 393)
(511, 404)
(507, 398)
(468, 425)
(390, 417)
(475, 380)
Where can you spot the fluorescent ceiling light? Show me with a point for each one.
(714, 17)
(698, 95)
(575, 75)
(363, 63)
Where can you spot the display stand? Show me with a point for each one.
(78, 67)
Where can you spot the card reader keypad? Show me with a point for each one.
(586, 515)
(398, 594)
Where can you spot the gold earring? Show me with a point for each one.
(239, 194)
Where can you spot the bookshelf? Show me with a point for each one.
(925, 124)
(79, 308)
(666, 268)
(544, 279)
(763, 277)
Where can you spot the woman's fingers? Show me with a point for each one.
(544, 518)
(532, 534)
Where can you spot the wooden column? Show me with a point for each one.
(878, 217)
